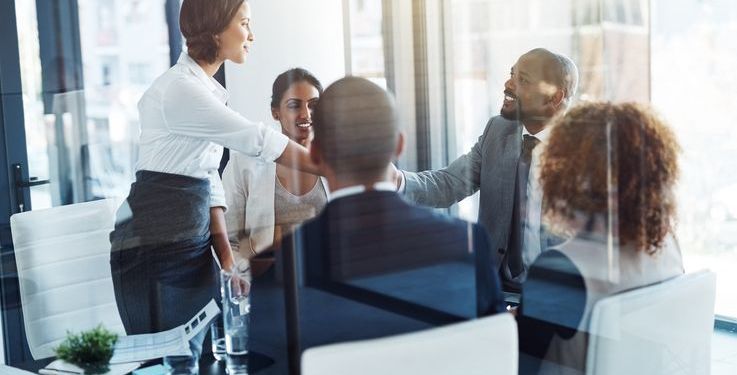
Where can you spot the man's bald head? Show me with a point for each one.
(541, 84)
(356, 129)
(559, 70)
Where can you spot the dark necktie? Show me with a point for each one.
(519, 212)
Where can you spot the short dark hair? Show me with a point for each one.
(565, 72)
(285, 80)
(356, 128)
(201, 20)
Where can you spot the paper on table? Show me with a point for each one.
(60, 367)
(137, 348)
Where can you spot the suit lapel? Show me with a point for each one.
(508, 172)
(501, 154)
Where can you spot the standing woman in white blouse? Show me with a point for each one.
(163, 269)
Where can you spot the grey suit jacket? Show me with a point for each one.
(490, 166)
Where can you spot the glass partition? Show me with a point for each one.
(367, 40)
(83, 66)
(80, 107)
(627, 185)
(693, 51)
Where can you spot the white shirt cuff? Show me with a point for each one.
(240, 263)
(402, 185)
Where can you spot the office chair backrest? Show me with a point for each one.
(483, 346)
(63, 260)
(660, 329)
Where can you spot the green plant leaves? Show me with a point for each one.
(90, 350)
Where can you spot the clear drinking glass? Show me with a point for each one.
(236, 310)
(217, 333)
(181, 364)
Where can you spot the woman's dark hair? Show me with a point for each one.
(285, 80)
(201, 20)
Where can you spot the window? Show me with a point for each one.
(367, 41)
(486, 38)
(694, 57)
(683, 64)
(82, 135)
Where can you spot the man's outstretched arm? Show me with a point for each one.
(444, 187)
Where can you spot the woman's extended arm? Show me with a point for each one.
(191, 110)
(296, 156)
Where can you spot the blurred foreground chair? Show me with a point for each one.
(483, 346)
(63, 260)
(660, 329)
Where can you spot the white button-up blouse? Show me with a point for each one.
(185, 124)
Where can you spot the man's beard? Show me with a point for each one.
(514, 114)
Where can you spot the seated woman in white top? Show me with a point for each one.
(266, 200)
(598, 154)
(162, 266)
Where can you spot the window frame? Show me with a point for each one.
(13, 145)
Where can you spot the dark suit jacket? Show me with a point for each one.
(427, 269)
(552, 304)
(377, 232)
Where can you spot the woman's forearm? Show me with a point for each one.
(296, 156)
(219, 235)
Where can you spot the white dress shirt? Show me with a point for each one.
(185, 123)
(531, 242)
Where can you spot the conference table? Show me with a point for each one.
(396, 302)
(208, 364)
(291, 311)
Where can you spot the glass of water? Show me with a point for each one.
(181, 365)
(236, 310)
(217, 333)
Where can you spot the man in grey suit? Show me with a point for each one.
(541, 85)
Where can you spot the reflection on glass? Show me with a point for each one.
(488, 35)
(81, 116)
(266, 201)
(608, 173)
(694, 51)
(367, 41)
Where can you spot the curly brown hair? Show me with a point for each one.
(644, 165)
(201, 20)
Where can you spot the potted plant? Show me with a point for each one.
(91, 350)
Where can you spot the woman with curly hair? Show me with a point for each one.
(607, 175)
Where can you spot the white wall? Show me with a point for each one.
(288, 34)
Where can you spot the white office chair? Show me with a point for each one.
(661, 329)
(63, 260)
(482, 346)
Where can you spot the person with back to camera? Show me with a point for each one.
(366, 229)
(366, 226)
(256, 222)
(565, 282)
(161, 261)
